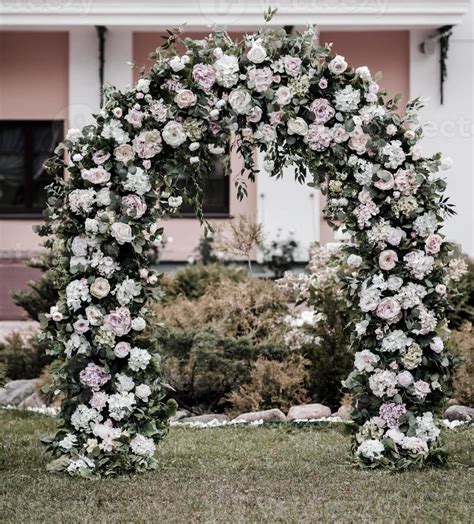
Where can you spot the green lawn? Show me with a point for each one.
(265, 474)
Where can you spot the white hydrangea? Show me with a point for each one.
(394, 153)
(121, 405)
(426, 428)
(419, 263)
(369, 298)
(411, 295)
(138, 359)
(124, 383)
(77, 292)
(76, 344)
(83, 416)
(365, 360)
(81, 200)
(113, 129)
(143, 446)
(383, 383)
(138, 182)
(371, 449)
(82, 462)
(143, 391)
(347, 99)
(127, 290)
(395, 341)
(425, 224)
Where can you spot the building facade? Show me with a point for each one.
(54, 56)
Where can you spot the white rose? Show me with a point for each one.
(121, 232)
(240, 101)
(257, 54)
(174, 134)
(354, 260)
(94, 316)
(283, 95)
(176, 64)
(79, 246)
(143, 391)
(297, 126)
(96, 175)
(364, 73)
(437, 345)
(337, 65)
(446, 163)
(138, 324)
(185, 98)
(55, 314)
(100, 288)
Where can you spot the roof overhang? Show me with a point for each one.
(236, 14)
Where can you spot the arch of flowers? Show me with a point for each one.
(151, 147)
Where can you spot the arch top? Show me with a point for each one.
(150, 149)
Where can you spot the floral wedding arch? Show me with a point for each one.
(152, 146)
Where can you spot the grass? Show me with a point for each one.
(265, 474)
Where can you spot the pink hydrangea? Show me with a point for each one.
(94, 376)
(391, 413)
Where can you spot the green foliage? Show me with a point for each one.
(194, 280)
(330, 356)
(204, 368)
(462, 345)
(42, 293)
(462, 299)
(23, 356)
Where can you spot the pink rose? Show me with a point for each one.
(386, 183)
(96, 175)
(322, 110)
(122, 349)
(358, 142)
(389, 310)
(292, 65)
(387, 259)
(395, 236)
(204, 75)
(433, 243)
(100, 156)
(421, 389)
(124, 153)
(260, 79)
(135, 207)
(405, 379)
(185, 98)
(119, 321)
(275, 117)
(81, 326)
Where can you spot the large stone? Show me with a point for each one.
(180, 414)
(268, 415)
(459, 413)
(308, 412)
(16, 391)
(205, 419)
(344, 412)
(33, 401)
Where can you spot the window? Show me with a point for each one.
(24, 146)
(216, 192)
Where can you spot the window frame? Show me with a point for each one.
(25, 212)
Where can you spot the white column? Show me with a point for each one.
(118, 57)
(450, 126)
(285, 205)
(84, 84)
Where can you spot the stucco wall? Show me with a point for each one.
(33, 86)
(185, 232)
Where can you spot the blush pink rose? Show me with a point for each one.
(135, 207)
(358, 142)
(388, 259)
(119, 321)
(100, 156)
(204, 75)
(322, 109)
(292, 65)
(185, 98)
(433, 243)
(389, 310)
(385, 185)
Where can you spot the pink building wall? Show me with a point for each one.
(370, 48)
(186, 232)
(33, 86)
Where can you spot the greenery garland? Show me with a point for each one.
(150, 149)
